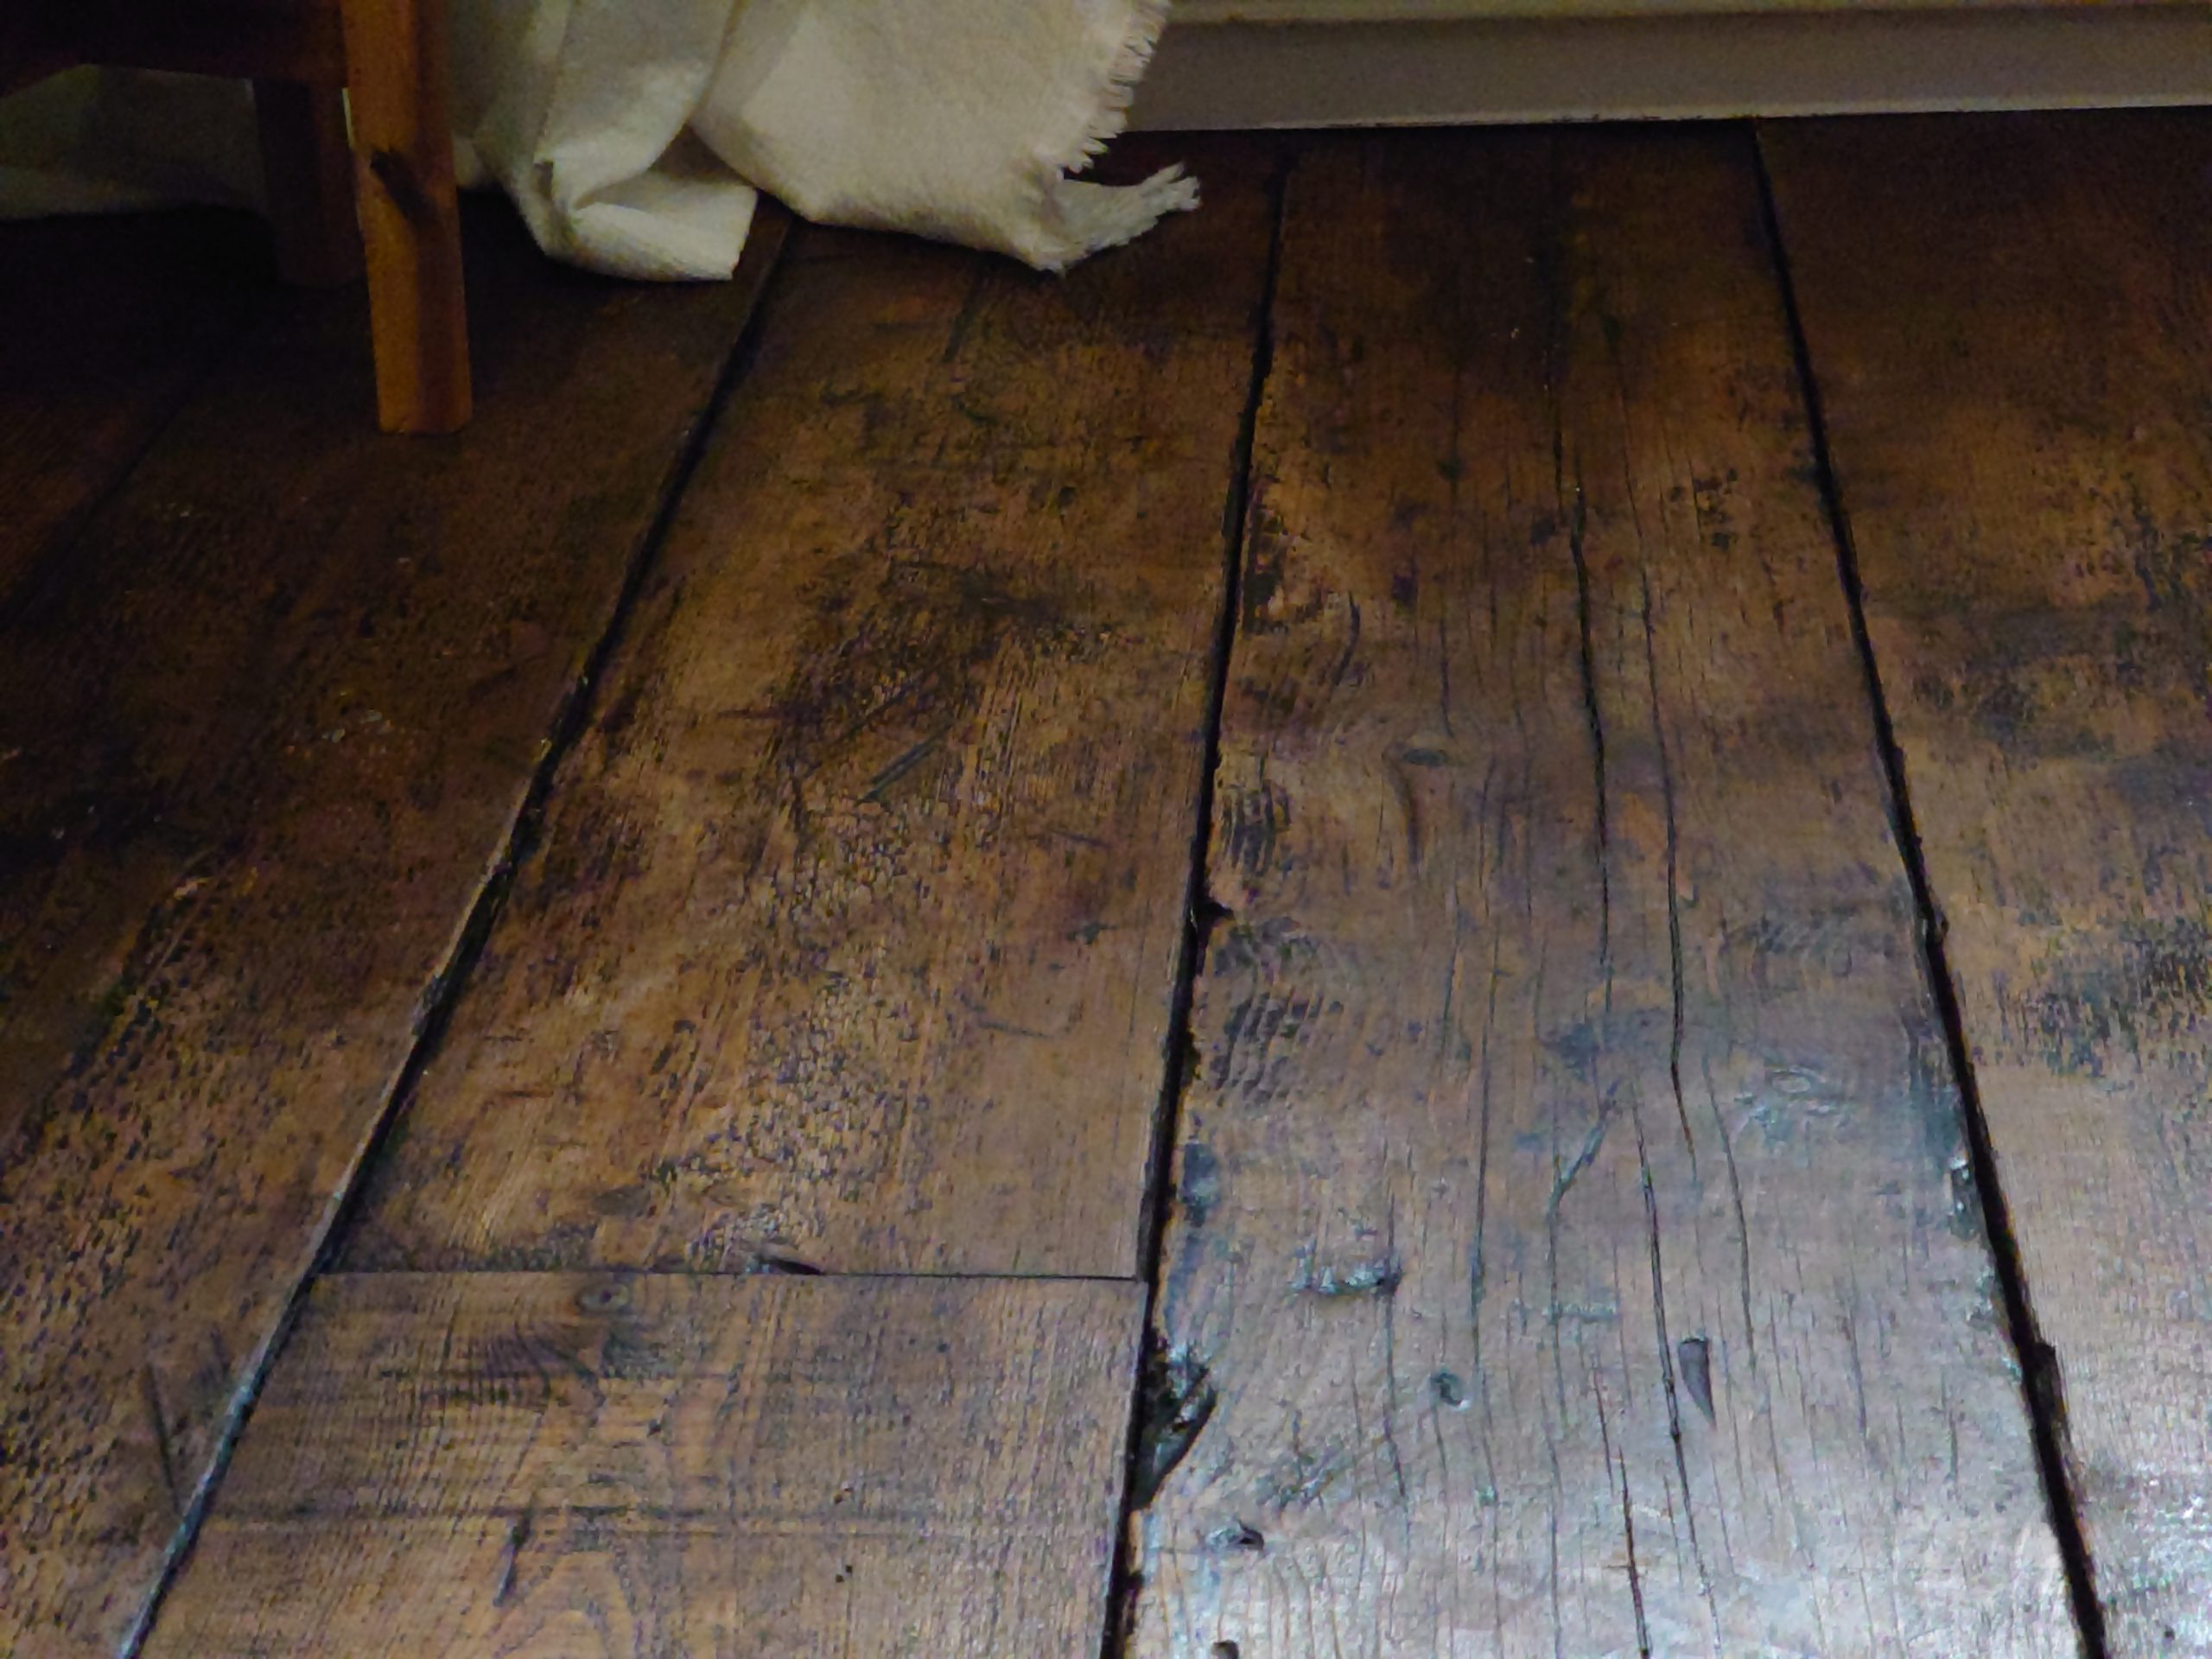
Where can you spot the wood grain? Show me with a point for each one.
(1569, 1253)
(565, 1464)
(261, 749)
(853, 931)
(399, 85)
(2008, 320)
(109, 323)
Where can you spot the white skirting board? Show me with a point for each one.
(1432, 69)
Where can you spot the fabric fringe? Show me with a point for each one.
(1093, 216)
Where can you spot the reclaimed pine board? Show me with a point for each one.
(1570, 1252)
(589, 1465)
(2008, 320)
(852, 935)
(105, 325)
(264, 745)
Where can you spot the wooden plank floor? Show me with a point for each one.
(561, 1463)
(264, 744)
(852, 935)
(1222, 959)
(2009, 318)
(1569, 1228)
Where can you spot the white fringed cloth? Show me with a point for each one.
(634, 133)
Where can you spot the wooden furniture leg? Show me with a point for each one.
(308, 166)
(396, 73)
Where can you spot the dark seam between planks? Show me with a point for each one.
(1200, 913)
(2041, 1387)
(443, 992)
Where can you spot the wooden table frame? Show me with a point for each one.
(387, 193)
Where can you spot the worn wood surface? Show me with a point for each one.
(2008, 320)
(260, 748)
(108, 323)
(853, 931)
(1571, 1253)
(562, 1465)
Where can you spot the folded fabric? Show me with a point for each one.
(633, 135)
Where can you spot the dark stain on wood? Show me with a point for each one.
(1199, 1189)
(396, 174)
(2136, 997)
(1694, 1361)
(1176, 1397)
(1237, 1534)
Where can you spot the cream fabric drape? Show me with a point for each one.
(634, 134)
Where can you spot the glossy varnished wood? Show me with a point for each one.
(263, 739)
(561, 1464)
(1571, 1251)
(852, 934)
(105, 324)
(2008, 320)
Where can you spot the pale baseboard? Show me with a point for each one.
(1346, 66)
(1378, 11)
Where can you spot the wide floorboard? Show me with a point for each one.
(1569, 1236)
(2009, 321)
(852, 932)
(450, 1466)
